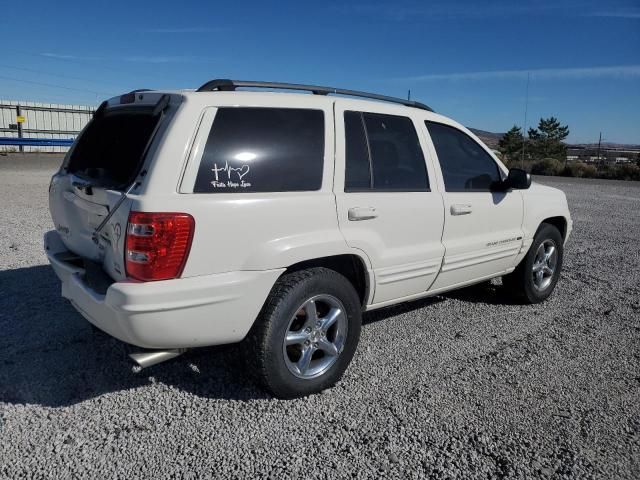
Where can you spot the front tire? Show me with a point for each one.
(306, 333)
(535, 278)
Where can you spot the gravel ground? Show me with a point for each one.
(464, 385)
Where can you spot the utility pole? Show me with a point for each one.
(19, 122)
(524, 127)
(409, 95)
(599, 143)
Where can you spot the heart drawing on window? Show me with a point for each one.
(240, 171)
(243, 171)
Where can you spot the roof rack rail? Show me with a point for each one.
(225, 85)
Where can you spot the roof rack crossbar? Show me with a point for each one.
(225, 85)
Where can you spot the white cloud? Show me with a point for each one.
(622, 71)
(58, 55)
(183, 30)
(134, 59)
(629, 13)
(480, 10)
(437, 10)
(164, 59)
(65, 56)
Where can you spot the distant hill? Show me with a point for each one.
(491, 139)
(607, 145)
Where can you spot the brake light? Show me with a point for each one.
(157, 245)
(128, 98)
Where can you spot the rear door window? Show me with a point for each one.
(358, 162)
(383, 153)
(262, 150)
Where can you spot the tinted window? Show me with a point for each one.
(111, 147)
(263, 150)
(465, 164)
(393, 159)
(357, 168)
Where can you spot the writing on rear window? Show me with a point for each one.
(229, 174)
(253, 149)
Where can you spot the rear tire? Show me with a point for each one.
(535, 278)
(306, 333)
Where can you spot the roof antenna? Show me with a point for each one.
(409, 95)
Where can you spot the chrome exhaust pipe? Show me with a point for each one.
(153, 357)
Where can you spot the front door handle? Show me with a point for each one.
(362, 213)
(461, 209)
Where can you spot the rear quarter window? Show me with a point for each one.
(262, 150)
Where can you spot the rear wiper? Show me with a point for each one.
(159, 109)
(123, 196)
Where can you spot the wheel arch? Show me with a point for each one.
(351, 266)
(559, 222)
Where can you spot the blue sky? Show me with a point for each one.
(467, 60)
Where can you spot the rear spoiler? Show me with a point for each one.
(137, 101)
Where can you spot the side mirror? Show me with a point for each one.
(518, 179)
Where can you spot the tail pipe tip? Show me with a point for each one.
(153, 357)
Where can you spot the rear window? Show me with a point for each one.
(262, 150)
(111, 148)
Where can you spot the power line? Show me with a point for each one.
(60, 58)
(52, 85)
(40, 72)
(524, 126)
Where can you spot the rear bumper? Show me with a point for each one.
(180, 313)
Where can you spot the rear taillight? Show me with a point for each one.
(157, 245)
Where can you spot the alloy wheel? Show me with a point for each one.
(315, 336)
(544, 264)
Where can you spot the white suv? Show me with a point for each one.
(187, 219)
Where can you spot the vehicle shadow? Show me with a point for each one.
(488, 293)
(50, 355)
(399, 309)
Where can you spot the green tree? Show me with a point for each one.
(546, 140)
(510, 144)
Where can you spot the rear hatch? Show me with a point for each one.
(107, 159)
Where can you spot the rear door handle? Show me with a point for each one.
(461, 209)
(362, 213)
